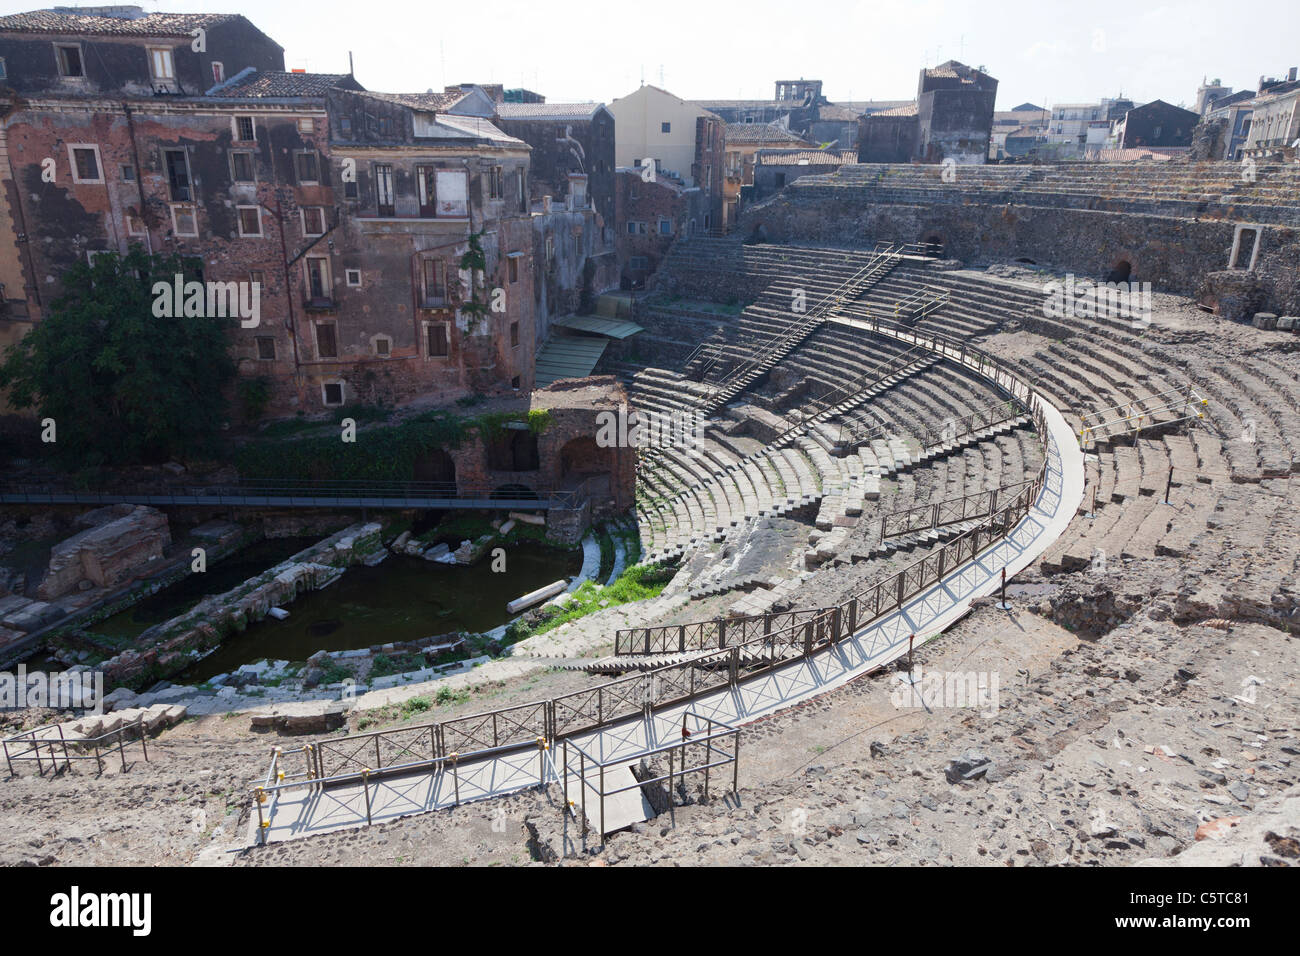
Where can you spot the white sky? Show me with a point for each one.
(1044, 51)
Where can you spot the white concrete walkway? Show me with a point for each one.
(300, 813)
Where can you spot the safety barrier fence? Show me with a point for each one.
(731, 651)
(711, 742)
(1161, 408)
(942, 513)
(49, 745)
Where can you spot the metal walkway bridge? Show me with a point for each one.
(305, 494)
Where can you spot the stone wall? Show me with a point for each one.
(1171, 253)
(119, 542)
(170, 647)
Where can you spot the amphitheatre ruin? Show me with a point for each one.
(979, 546)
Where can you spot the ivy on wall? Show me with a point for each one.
(380, 453)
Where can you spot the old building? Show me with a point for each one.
(774, 169)
(572, 151)
(951, 119)
(1275, 122)
(888, 136)
(954, 114)
(1155, 124)
(349, 211)
(742, 142)
(651, 215)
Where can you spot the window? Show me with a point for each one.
(305, 165)
(350, 189)
(637, 229)
(496, 183)
(4, 72)
(384, 189)
(352, 277)
(636, 262)
(426, 191)
(435, 337)
(514, 383)
(128, 174)
(332, 393)
(134, 225)
(313, 220)
(241, 166)
(512, 268)
(85, 164)
(514, 335)
(266, 348)
(665, 127)
(345, 126)
(453, 193)
(243, 129)
(306, 124)
(218, 72)
(433, 279)
(258, 278)
(250, 220)
(69, 58)
(177, 164)
(160, 64)
(665, 227)
(383, 346)
(185, 221)
(327, 345)
(319, 287)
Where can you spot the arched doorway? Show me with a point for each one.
(1121, 271)
(514, 449)
(436, 467)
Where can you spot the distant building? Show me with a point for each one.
(1155, 124)
(683, 141)
(774, 169)
(742, 142)
(952, 119)
(1275, 122)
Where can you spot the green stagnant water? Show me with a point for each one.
(402, 599)
(221, 576)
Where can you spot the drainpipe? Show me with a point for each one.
(291, 323)
(29, 277)
(139, 177)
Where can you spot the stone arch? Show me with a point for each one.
(436, 466)
(1121, 270)
(583, 456)
(513, 449)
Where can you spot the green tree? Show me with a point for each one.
(123, 385)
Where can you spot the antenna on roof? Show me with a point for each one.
(351, 72)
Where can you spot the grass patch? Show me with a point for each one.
(637, 583)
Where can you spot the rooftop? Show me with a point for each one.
(555, 112)
(252, 84)
(132, 21)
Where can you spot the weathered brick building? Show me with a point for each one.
(952, 119)
(651, 214)
(350, 209)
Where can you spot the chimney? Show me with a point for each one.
(1291, 75)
